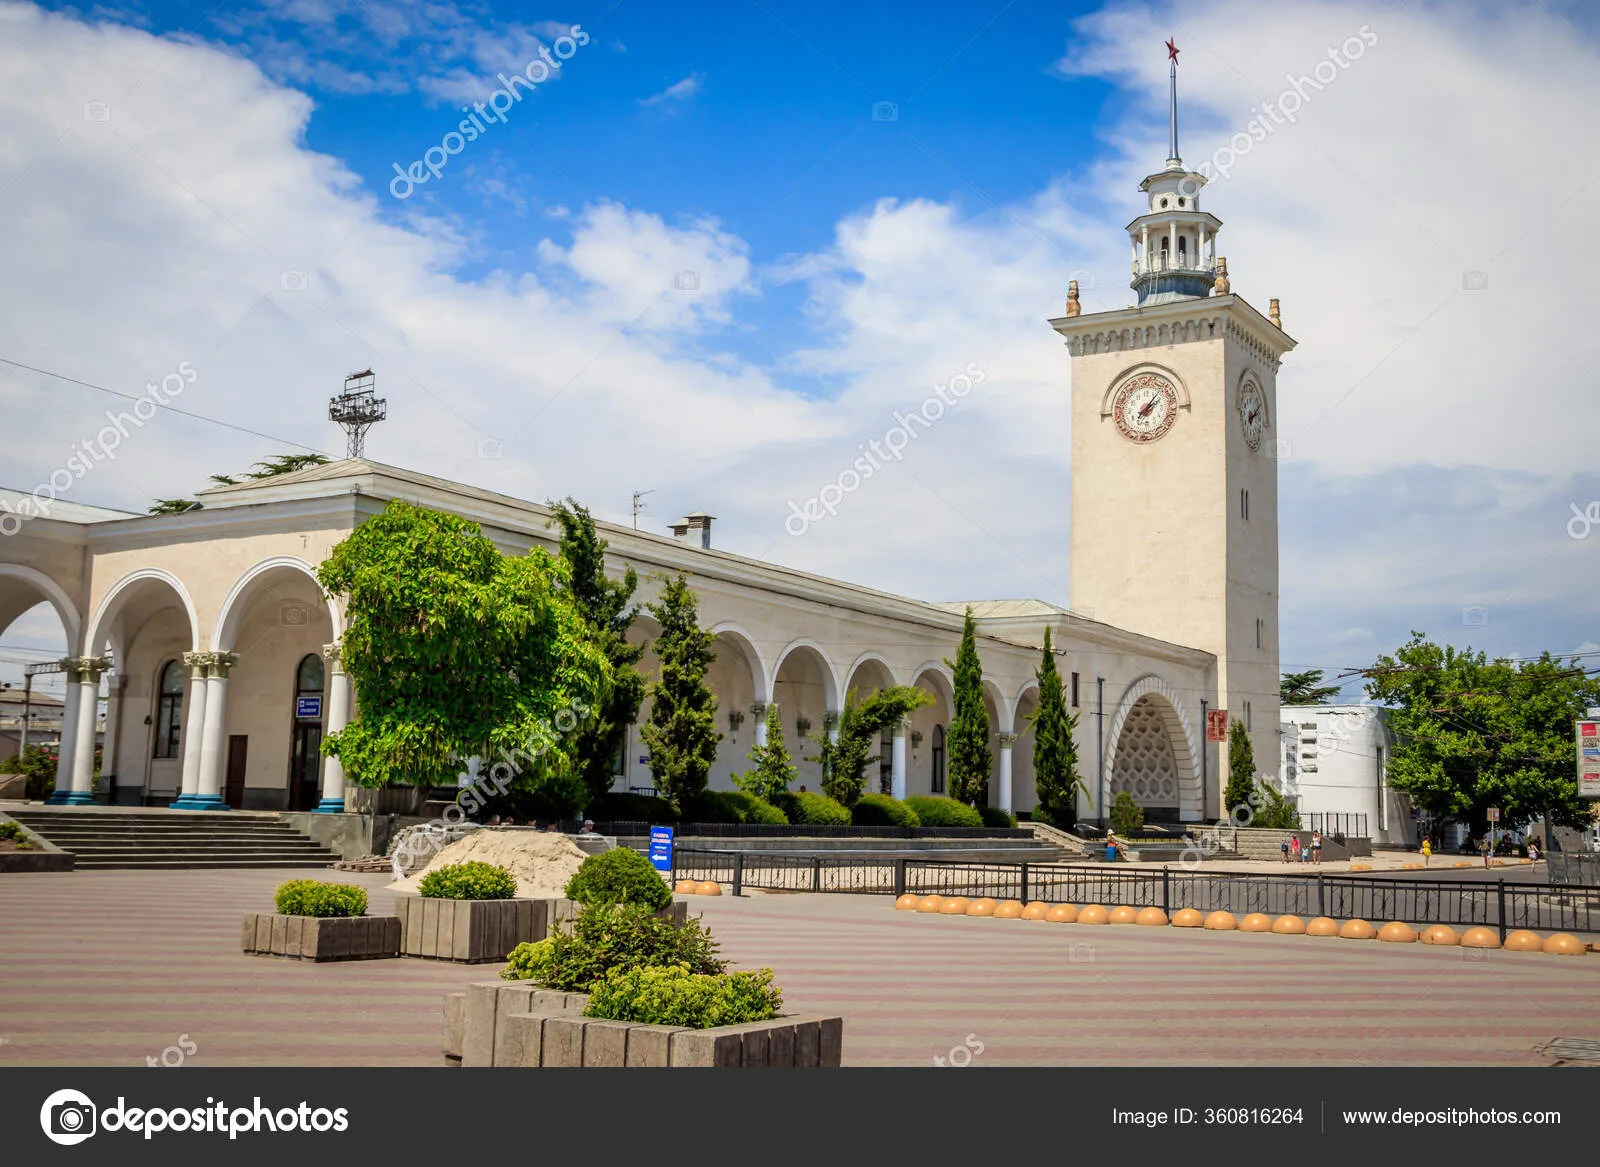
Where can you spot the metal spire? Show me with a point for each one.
(1172, 109)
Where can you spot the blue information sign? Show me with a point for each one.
(661, 848)
(308, 707)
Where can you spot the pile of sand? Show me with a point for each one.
(540, 861)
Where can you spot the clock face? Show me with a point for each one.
(1145, 407)
(1252, 413)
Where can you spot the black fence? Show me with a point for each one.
(1338, 823)
(1458, 902)
(640, 829)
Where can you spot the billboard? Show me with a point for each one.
(1588, 740)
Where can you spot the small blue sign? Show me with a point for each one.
(661, 848)
(308, 708)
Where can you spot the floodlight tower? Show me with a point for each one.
(357, 409)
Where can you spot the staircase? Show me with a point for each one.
(133, 838)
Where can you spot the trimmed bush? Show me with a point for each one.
(619, 876)
(730, 806)
(675, 995)
(993, 816)
(1127, 816)
(605, 939)
(312, 897)
(473, 880)
(935, 810)
(879, 810)
(18, 834)
(632, 808)
(806, 807)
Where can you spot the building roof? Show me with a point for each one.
(24, 503)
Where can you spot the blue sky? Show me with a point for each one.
(523, 316)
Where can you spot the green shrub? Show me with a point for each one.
(16, 833)
(473, 880)
(935, 810)
(622, 936)
(735, 806)
(39, 764)
(676, 995)
(1127, 816)
(879, 810)
(993, 816)
(619, 876)
(632, 808)
(806, 807)
(312, 897)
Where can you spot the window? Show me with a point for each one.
(1244, 505)
(308, 677)
(1260, 626)
(1074, 690)
(169, 710)
(1247, 726)
(937, 754)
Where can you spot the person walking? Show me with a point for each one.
(1284, 848)
(1427, 852)
(1316, 846)
(1294, 849)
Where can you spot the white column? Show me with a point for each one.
(1007, 740)
(338, 686)
(758, 710)
(194, 724)
(1172, 253)
(830, 722)
(1145, 248)
(86, 677)
(208, 788)
(897, 761)
(115, 684)
(69, 729)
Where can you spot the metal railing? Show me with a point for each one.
(1340, 823)
(1466, 902)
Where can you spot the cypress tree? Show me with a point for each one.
(1055, 751)
(968, 739)
(681, 734)
(606, 605)
(1241, 769)
(774, 767)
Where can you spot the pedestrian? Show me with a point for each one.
(1427, 852)
(1111, 847)
(1488, 849)
(1294, 849)
(1533, 850)
(1284, 848)
(1316, 846)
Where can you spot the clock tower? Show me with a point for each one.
(1174, 457)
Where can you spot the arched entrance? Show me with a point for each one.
(739, 682)
(928, 767)
(807, 694)
(871, 674)
(1150, 754)
(39, 618)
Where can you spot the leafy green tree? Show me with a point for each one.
(173, 506)
(1127, 816)
(681, 734)
(1271, 809)
(1472, 733)
(607, 605)
(457, 651)
(39, 765)
(1055, 749)
(861, 726)
(1241, 768)
(1305, 689)
(774, 768)
(968, 737)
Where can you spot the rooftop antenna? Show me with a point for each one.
(638, 505)
(357, 409)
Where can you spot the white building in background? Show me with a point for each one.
(1335, 767)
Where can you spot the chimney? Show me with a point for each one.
(694, 529)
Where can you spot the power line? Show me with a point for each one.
(170, 408)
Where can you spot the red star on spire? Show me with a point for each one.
(1172, 50)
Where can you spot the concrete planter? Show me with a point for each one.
(511, 1023)
(321, 938)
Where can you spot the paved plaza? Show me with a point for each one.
(108, 968)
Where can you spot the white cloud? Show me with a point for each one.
(1439, 433)
(675, 94)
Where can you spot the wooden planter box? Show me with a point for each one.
(322, 937)
(471, 931)
(512, 1023)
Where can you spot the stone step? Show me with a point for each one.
(176, 839)
(95, 861)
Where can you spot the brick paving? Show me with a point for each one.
(108, 967)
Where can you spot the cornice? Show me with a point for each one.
(1176, 322)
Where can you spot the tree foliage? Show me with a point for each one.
(457, 651)
(681, 734)
(1474, 733)
(774, 768)
(1241, 767)
(267, 468)
(968, 737)
(1055, 749)
(607, 605)
(1127, 816)
(1268, 808)
(1305, 689)
(861, 726)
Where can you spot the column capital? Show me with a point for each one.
(1007, 740)
(759, 708)
(81, 669)
(830, 719)
(220, 663)
(196, 663)
(901, 726)
(333, 654)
